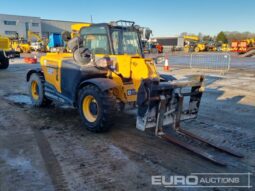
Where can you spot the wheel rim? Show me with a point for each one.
(35, 90)
(90, 108)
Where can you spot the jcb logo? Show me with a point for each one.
(131, 92)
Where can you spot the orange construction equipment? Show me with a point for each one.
(239, 46)
(30, 60)
(159, 48)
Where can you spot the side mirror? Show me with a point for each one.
(159, 60)
(74, 43)
(66, 36)
(81, 54)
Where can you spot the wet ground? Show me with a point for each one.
(49, 148)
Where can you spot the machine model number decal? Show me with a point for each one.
(131, 92)
(50, 70)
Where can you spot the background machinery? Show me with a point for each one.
(4, 46)
(192, 43)
(36, 42)
(55, 43)
(20, 44)
(148, 45)
(107, 71)
(6, 52)
(245, 48)
(223, 47)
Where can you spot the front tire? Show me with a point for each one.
(36, 91)
(4, 63)
(97, 108)
(197, 49)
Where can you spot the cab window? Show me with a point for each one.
(95, 39)
(116, 42)
(131, 43)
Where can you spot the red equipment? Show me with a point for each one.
(239, 46)
(30, 60)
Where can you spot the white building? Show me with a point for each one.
(12, 24)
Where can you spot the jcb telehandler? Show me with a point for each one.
(106, 71)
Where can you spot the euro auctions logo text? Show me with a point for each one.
(173, 181)
(237, 180)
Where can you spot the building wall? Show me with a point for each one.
(24, 23)
(21, 26)
(170, 41)
(180, 42)
(55, 26)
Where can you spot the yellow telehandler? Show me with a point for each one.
(193, 44)
(6, 52)
(4, 46)
(106, 71)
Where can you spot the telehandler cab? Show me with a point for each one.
(106, 71)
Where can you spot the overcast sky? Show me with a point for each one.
(164, 17)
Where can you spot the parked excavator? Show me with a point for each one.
(36, 42)
(106, 72)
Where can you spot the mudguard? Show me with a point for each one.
(30, 72)
(166, 77)
(102, 83)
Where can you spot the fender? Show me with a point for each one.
(166, 77)
(102, 83)
(30, 72)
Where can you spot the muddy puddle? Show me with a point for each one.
(19, 99)
(23, 99)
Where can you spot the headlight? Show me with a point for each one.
(102, 63)
(106, 62)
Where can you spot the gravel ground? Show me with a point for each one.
(49, 149)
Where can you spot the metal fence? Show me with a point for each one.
(208, 62)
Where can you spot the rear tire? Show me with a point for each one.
(36, 91)
(97, 108)
(4, 61)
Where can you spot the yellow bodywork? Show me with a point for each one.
(33, 36)
(200, 47)
(20, 47)
(5, 43)
(77, 27)
(130, 67)
(191, 37)
(225, 48)
(51, 66)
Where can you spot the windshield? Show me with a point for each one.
(124, 41)
(127, 43)
(95, 39)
